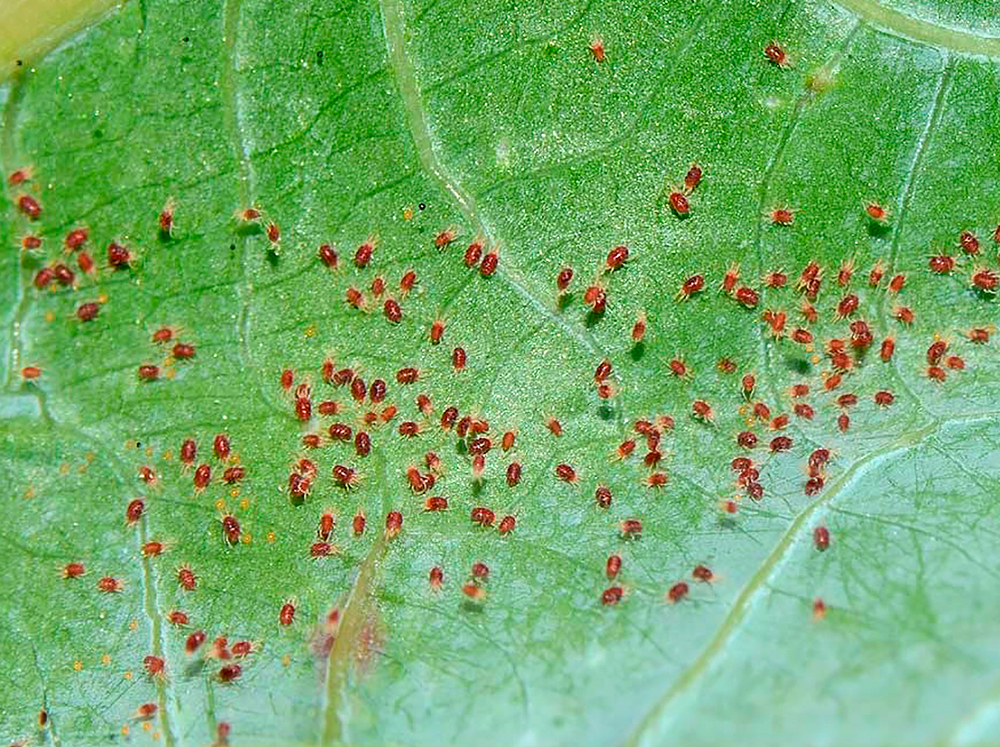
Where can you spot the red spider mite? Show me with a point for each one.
(346, 477)
(473, 253)
(884, 398)
(985, 280)
(407, 282)
(409, 429)
(480, 446)
(761, 411)
(639, 328)
(702, 573)
(941, 264)
(799, 390)
(445, 237)
(436, 503)
(896, 283)
(182, 351)
(326, 524)
(821, 538)
(566, 473)
(693, 177)
(362, 444)
(596, 298)
(936, 373)
(506, 525)
(433, 462)
(677, 592)
(746, 439)
(612, 595)
(230, 529)
(678, 368)
(656, 480)
(689, 287)
(328, 256)
(354, 298)
(781, 421)
(188, 452)
(847, 306)
(631, 528)
(118, 255)
(968, 242)
(814, 485)
(652, 458)
(616, 258)
(147, 474)
(242, 649)
(458, 358)
(819, 608)
(358, 523)
(134, 510)
(848, 399)
(739, 464)
(954, 362)
(474, 592)
(702, 411)
(230, 672)
(802, 336)
(449, 417)
(286, 614)
(804, 411)
(782, 216)
(416, 480)
(202, 476)
(507, 440)
(749, 383)
(625, 449)
(478, 467)
(30, 242)
(436, 577)
(776, 54)
(146, 711)
(747, 296)
(832, 382)
(31, 372)
(489, 264)
(602, 371)
(407, 375)
(597, 50)
(166, 219)
(85, 262)
(43, 277)
(877, 212)
(358, 389)
(393, 524)
(63, 275)
(563, 279)
(221, 446)
(155, 666)
(377, 391)
(554, 426)
(936, 350)
(378, 286)
(328, 407)
(480, 571)
(679, 203)
(110, 585)
(904, 314)
(613, 566)
(363, 254)
(730, 279)
(513, 474)
(194, 641)
(73, 570)
(808, 311)
(811, 272)
(775, 320)
(321, 549)
(186, 578)
(843, 422)
(20, 176)
(845, 272)
(775, 279)
(311, 440)
(602, 496)
(152, 549)
(148, 372)
(780, 443)
(29, 206)
(287, 379)
(392, 311)
(875, 276)
(747, 477)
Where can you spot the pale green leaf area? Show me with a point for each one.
(346, 119)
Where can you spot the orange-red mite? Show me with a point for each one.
(286, 615)
(597, 50)
(407, 375)
(444, 238)
(563, 278)
(616, 257)
(30, 242)
(513, 474)
(507, 441)
(166, 220)
(393, 524)
(273, 233)
(326, 524)
(436, 503)
(392, 310)
(20, 176)
(884, 399)
(489, 264)
(969, 243)
(110, 585)
(876, 212)
(202, 476)
(358, 523)
(146, 711)
(437, 331)
(73, 570)
(679, 204)
(656, 480)
(702, 410)
(596, 298)
(613, 566)
(896, 283)
(149, 372)
(689, 287)
(555, 428)
(221, 446)
(693, 177)
(678, 591)
(565, 473)
(31, 372)
(458, 359)
(631, 528)
(821, 538)
(747, 296)
(639, 328)
(473, 253)
(782, 216)
(231, 529)
(328, 256)
(776, 54)
(152, 548)
(941, 264)
(154, 666)
(378, 286)
(133, 512)
(507, 524)
(363, 254)
(29, 206)
(876, 273)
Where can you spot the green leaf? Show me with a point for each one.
(345, 120)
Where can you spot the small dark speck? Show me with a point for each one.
(232, 247)
(98, 134)
(186, 39)
(20, 62)
(319, 57)
(421, 206)
(138, 444)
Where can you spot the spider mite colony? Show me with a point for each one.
(349, 411)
